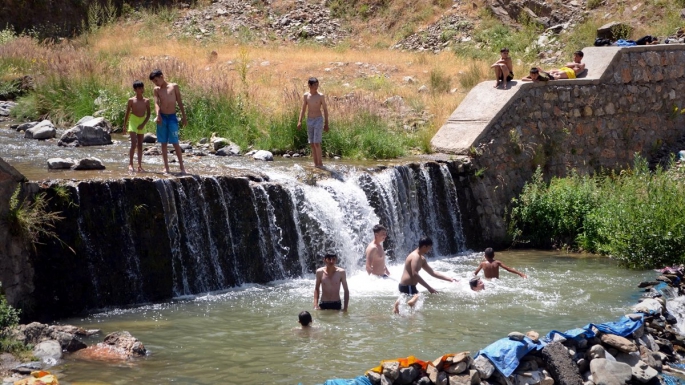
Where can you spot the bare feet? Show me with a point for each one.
(496, 85)
(140, 169)
(396, 308)
(183, 171)
(130, 168)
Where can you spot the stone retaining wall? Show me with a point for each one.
(601, 122)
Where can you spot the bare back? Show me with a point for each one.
(314, 104)
(330, 283)
(375, 259)
(167, 98)
(490, 269)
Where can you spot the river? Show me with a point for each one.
(250, 334)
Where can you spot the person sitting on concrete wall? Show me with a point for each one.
(571, 69)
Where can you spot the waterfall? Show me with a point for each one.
(161, 238)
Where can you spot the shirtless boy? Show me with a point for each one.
(504, 68)
(313, 103)
(329, 278)
(491, 266)
(167, 96)
(416, 261)
(137, 115)
(375, 255)
(571, 69)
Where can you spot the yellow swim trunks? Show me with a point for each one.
(569, 72)
(133, 122)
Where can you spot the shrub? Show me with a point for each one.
(9, 316)
(31, 220)
(636, 216)
(439, 81)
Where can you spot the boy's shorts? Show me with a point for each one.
(167, 131)
(315, 129)
(134, 121)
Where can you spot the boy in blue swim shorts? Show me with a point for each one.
(167, 96)
(314, 102)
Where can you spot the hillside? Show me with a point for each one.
(393, 69)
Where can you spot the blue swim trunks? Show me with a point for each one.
(167, 131)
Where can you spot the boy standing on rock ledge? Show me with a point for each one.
(137, 115)
(313, 102)
(167, 95)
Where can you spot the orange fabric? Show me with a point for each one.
(404, 363)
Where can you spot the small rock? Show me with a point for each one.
(516, 336)
(423, 89)
(59, 163)
(263, 155)
(89, 164)
(149, 138)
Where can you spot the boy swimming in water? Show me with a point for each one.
(137, 115)
(491, 266)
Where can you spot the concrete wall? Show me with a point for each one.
(16, 274)
(629, 103)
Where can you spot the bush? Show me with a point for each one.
(552, 215)
(9, 316)
(637, 216)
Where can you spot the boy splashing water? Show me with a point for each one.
(137, 115)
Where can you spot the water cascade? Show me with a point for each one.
(145, 240)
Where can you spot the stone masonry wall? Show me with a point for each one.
(594, 125)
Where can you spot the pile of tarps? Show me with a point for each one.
(506, 353)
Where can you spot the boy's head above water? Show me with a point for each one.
(476, 284)
(305, 318)
(489, 253)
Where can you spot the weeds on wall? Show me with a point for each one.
(31, 220)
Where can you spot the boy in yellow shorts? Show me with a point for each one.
(137, 115)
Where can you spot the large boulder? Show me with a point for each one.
(605, 372)
(263, 155)
(89, 164)
(42, 130)
(48, 350)
(60, 164)
(26, 126)
(614, 30)
(94, 132)
(618, 342)
(128, 343)
(560, 365)
(35, 333)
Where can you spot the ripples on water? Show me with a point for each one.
(250, 334)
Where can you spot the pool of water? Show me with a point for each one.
(250, 335)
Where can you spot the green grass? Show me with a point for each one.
(636, 216)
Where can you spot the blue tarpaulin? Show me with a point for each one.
(506, 353)
(361, 380)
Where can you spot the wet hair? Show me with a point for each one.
(305, 318)
(579, 53)
(313, 81)
(425, 241)
(330, 254)
(489, 252)
(155, 73)
(473, 282)
(534, 70)
(138, 84)
(378, 228)
(505, 49)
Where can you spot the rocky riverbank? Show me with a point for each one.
(52, 342)
(637, 349)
